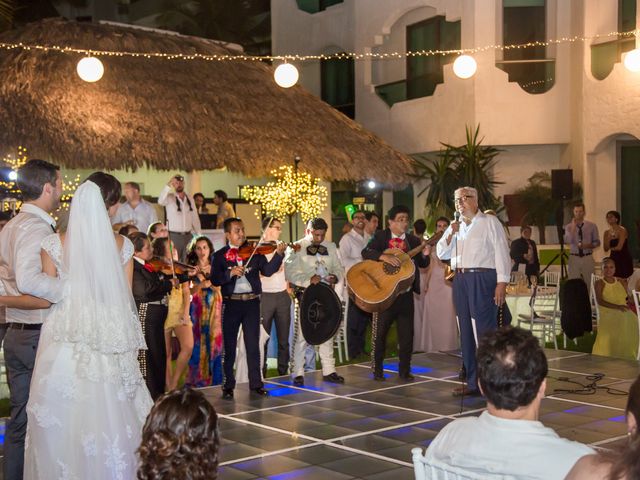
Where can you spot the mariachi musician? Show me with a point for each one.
(239, 280)
(315, 261)
(401, 309)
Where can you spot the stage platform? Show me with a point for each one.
(366, 429)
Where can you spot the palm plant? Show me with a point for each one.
(7, 9)
(441, 175)
(470, 164)
(474, 167)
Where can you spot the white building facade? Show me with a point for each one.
(570, 104)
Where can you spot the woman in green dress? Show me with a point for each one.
(618, 325)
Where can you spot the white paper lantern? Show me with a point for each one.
(90, 69)
(286, 75)
(632, 60)
(465, 66)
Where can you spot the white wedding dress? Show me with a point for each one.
(88, 401)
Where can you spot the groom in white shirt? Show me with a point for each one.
(21, 273)
(479, 253)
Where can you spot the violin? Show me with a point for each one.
(159, 264)
(247, 250)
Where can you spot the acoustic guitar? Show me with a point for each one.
(374, 285)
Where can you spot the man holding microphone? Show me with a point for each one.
(479, 253)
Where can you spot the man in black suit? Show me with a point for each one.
(401, 310)
(150, 289)
(524, 250)
(241, 289)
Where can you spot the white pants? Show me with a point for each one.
(581, 267)
(327, 360)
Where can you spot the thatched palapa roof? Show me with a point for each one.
(169, 114)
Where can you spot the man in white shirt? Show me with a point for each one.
(508, 440)
(183, 220)
(315, 261)
(479, 253)
(351, 245)
(135, 211)
(21, 273)
(275, 303)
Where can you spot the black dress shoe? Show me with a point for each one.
(466, 392)
(227, 393)
(407, 377)
(378, 376)
(260, 391)
(299, 381)
(333, 378)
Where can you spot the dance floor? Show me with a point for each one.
(366, 429)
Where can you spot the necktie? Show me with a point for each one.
(580, 250)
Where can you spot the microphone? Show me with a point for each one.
(456, 216)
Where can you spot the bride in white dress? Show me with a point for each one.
(88, 401)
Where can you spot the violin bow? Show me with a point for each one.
(173, 268)
(257, 244)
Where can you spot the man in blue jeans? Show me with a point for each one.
(479, 253)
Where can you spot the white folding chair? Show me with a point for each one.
(543, 315)
(551, 279)
(432, 469)
(636, 300)
(595, 308)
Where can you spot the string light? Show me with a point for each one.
(290, 192)
(303, 58)
(14, 163)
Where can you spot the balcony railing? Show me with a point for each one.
(534, 76)
(605, 55)
(408, 89)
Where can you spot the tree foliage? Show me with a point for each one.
(470, 164)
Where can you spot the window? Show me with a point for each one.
(626, 15)
(337, 84)
(425, 72)
(315, 6)
(525, 21)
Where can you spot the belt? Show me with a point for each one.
(158, 302)
(180, 233)
(25, 326)
(474, 270)
(243, 297)
(581, 254)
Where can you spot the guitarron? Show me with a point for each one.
(373, 285)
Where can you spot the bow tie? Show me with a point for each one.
(315, 249)
(231, 255)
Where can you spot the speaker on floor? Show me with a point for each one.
(562, 184)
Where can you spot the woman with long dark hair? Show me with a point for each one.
(205, 365)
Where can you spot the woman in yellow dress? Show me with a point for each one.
(618, 326)
(178, 319)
